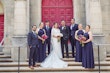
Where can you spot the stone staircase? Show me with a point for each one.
(5, 58)
(8, 66)
(108, 57)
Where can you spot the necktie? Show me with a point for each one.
(34, 33)
(47, 28)
(62, 28)
(71, 27)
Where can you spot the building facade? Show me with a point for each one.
(17, 17)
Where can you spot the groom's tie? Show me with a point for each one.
(47, 28)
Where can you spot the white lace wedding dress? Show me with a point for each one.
(54, 58)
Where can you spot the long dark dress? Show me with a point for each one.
(42, 47)
(78, 57)
(88, 56)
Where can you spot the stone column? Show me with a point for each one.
(21, 28)
(8, 24)
(28, 15)
(20, 18)
(94, 15)
(105, 4)
(79, 11)
(35, 12)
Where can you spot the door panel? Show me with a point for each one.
(1, 27)
(57, 10)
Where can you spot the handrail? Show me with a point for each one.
(106, 44)
(23, 45)
(19, 56)
(2, 42)
(98, 45)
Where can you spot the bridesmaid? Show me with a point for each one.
(80, 31)
(42, 44)
(88, 56)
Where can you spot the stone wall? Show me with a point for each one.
(32, 16)
(16, 27)
(1, 8)
(8, 23)
(105, 5)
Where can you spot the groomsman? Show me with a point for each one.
(48, 33)
(73, 29)
(33, 46)
(64, 40)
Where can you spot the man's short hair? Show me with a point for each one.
(33, 26)
(62, 20)
(73, 19)
(47, 21)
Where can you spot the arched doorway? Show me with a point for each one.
(1, 22)
(57, 10)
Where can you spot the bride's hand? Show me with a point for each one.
(54, 36)
(58, 36)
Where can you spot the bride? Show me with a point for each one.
(54, 58)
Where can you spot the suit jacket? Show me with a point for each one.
(48, 32)
(32, 39)
(73, 30)
(65, 31)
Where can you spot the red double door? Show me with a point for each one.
(1, 27)
(57, 10)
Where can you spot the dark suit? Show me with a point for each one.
(48, 33)
(72, 37)
(33, 45)
(64, 40)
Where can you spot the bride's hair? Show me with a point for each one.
(41, 23)
(54, 24)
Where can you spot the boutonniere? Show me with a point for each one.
(64, 27)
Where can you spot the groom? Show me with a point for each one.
(64, 40)
(33, 46)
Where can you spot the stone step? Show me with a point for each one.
(6, 60)
(63, 72)
(108, 59)
(108, 55)
(67, 69)
(24, 64)
(64, 59)
(70, 52)
(1, 53)
(68, 59)
(5, 56)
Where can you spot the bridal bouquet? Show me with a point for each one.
(81, 38)
(44, 36)
(58, 38)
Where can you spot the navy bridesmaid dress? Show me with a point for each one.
(88, 56)
(42, 47)
(78, 56)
